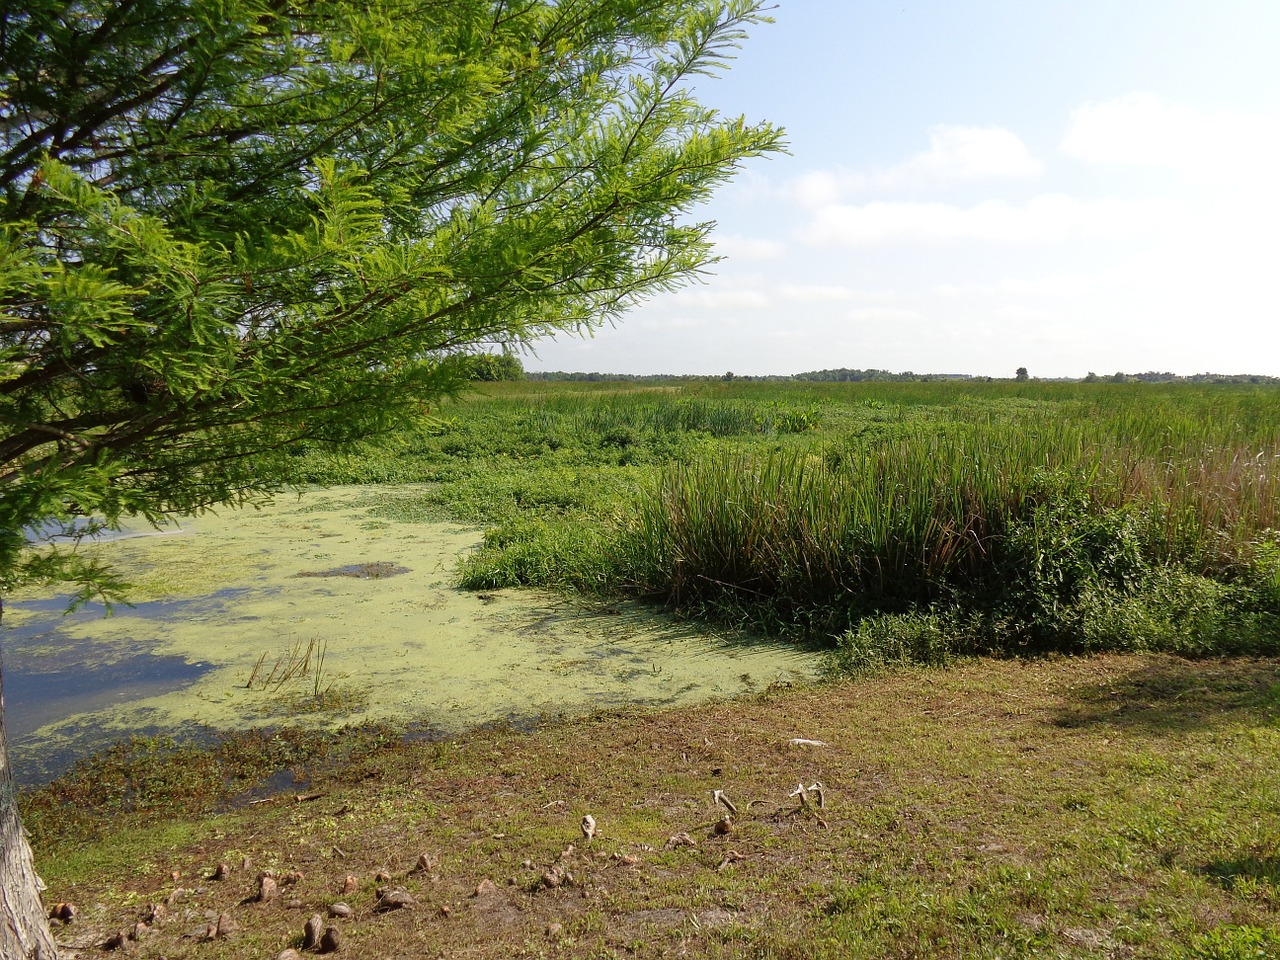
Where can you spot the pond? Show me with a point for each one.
(323, 609)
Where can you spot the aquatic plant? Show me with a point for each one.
(1057, 510)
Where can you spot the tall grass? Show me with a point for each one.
(1010, 515)
(1019, 519)
(512, 423)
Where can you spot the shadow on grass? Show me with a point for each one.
(1229, 873)
(1169, 694)
(625, 618)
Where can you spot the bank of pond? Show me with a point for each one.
(889, 521)
(536, 548)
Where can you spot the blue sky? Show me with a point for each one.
(978, 186)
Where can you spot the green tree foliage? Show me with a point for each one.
(230, 225)
(845, 375)
(490, 367)
(227, 226)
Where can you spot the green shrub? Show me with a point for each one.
(796, 421)
(524, 552)
(925, 637)
(1056, 544)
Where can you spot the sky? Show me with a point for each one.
(975, 186)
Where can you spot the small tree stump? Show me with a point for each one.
(65, 912)
(312, 932)
(392, 898)
(331, 941)
(117, 941)
(267, 889)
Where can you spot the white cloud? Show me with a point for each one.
(1022, 313)
(971, 153)
(737, 247)
(1146, 130)
(816, 293)
(1059, 285)
(955, 154)
(1043, 219)
(660, 324)
(822, 187)
(785, 334)
(882, 315)
(724, 299)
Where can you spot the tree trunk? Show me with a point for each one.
(24, 929)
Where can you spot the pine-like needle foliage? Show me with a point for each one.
(230, 225)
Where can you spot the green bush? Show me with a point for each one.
(925, 637)
(1054, 543)
(524, 552)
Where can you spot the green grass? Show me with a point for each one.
(1071, 808)
(1075, 807)
(1014, 517)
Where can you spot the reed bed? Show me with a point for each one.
(1016, 520)
(1051, 515)
(666, 414)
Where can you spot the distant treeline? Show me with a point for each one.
(845, 375)
(1151, 376)
(558, 376)
(834, 376)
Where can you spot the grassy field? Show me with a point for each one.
(1092, 774)
(896, 521)
(1114, 806)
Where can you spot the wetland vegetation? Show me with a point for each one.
(339, 608)
(890, 521)
(1025, 801)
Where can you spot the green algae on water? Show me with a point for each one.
(240, 590)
